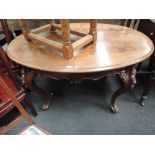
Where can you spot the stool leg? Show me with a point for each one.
(93, 31)
(52, 22)
(67, 45)
(24, 28)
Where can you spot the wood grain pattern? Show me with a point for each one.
(41, 29)
(47, 42)
(116, 47)
(92, 31)
(82, 42)
(67, 44)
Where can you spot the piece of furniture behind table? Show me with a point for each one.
(134, 24)
(149, 84)
(10, 98)
(147, 26)
(6, 37)
(10, 80)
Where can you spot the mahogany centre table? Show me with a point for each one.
(117, 50)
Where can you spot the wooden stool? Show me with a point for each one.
(67, 47)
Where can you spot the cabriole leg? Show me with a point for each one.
(129, 80)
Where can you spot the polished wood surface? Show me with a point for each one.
(116, 47)
(117, 50)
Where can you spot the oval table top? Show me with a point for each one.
(116, 47)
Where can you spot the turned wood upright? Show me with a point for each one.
(67, 47)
